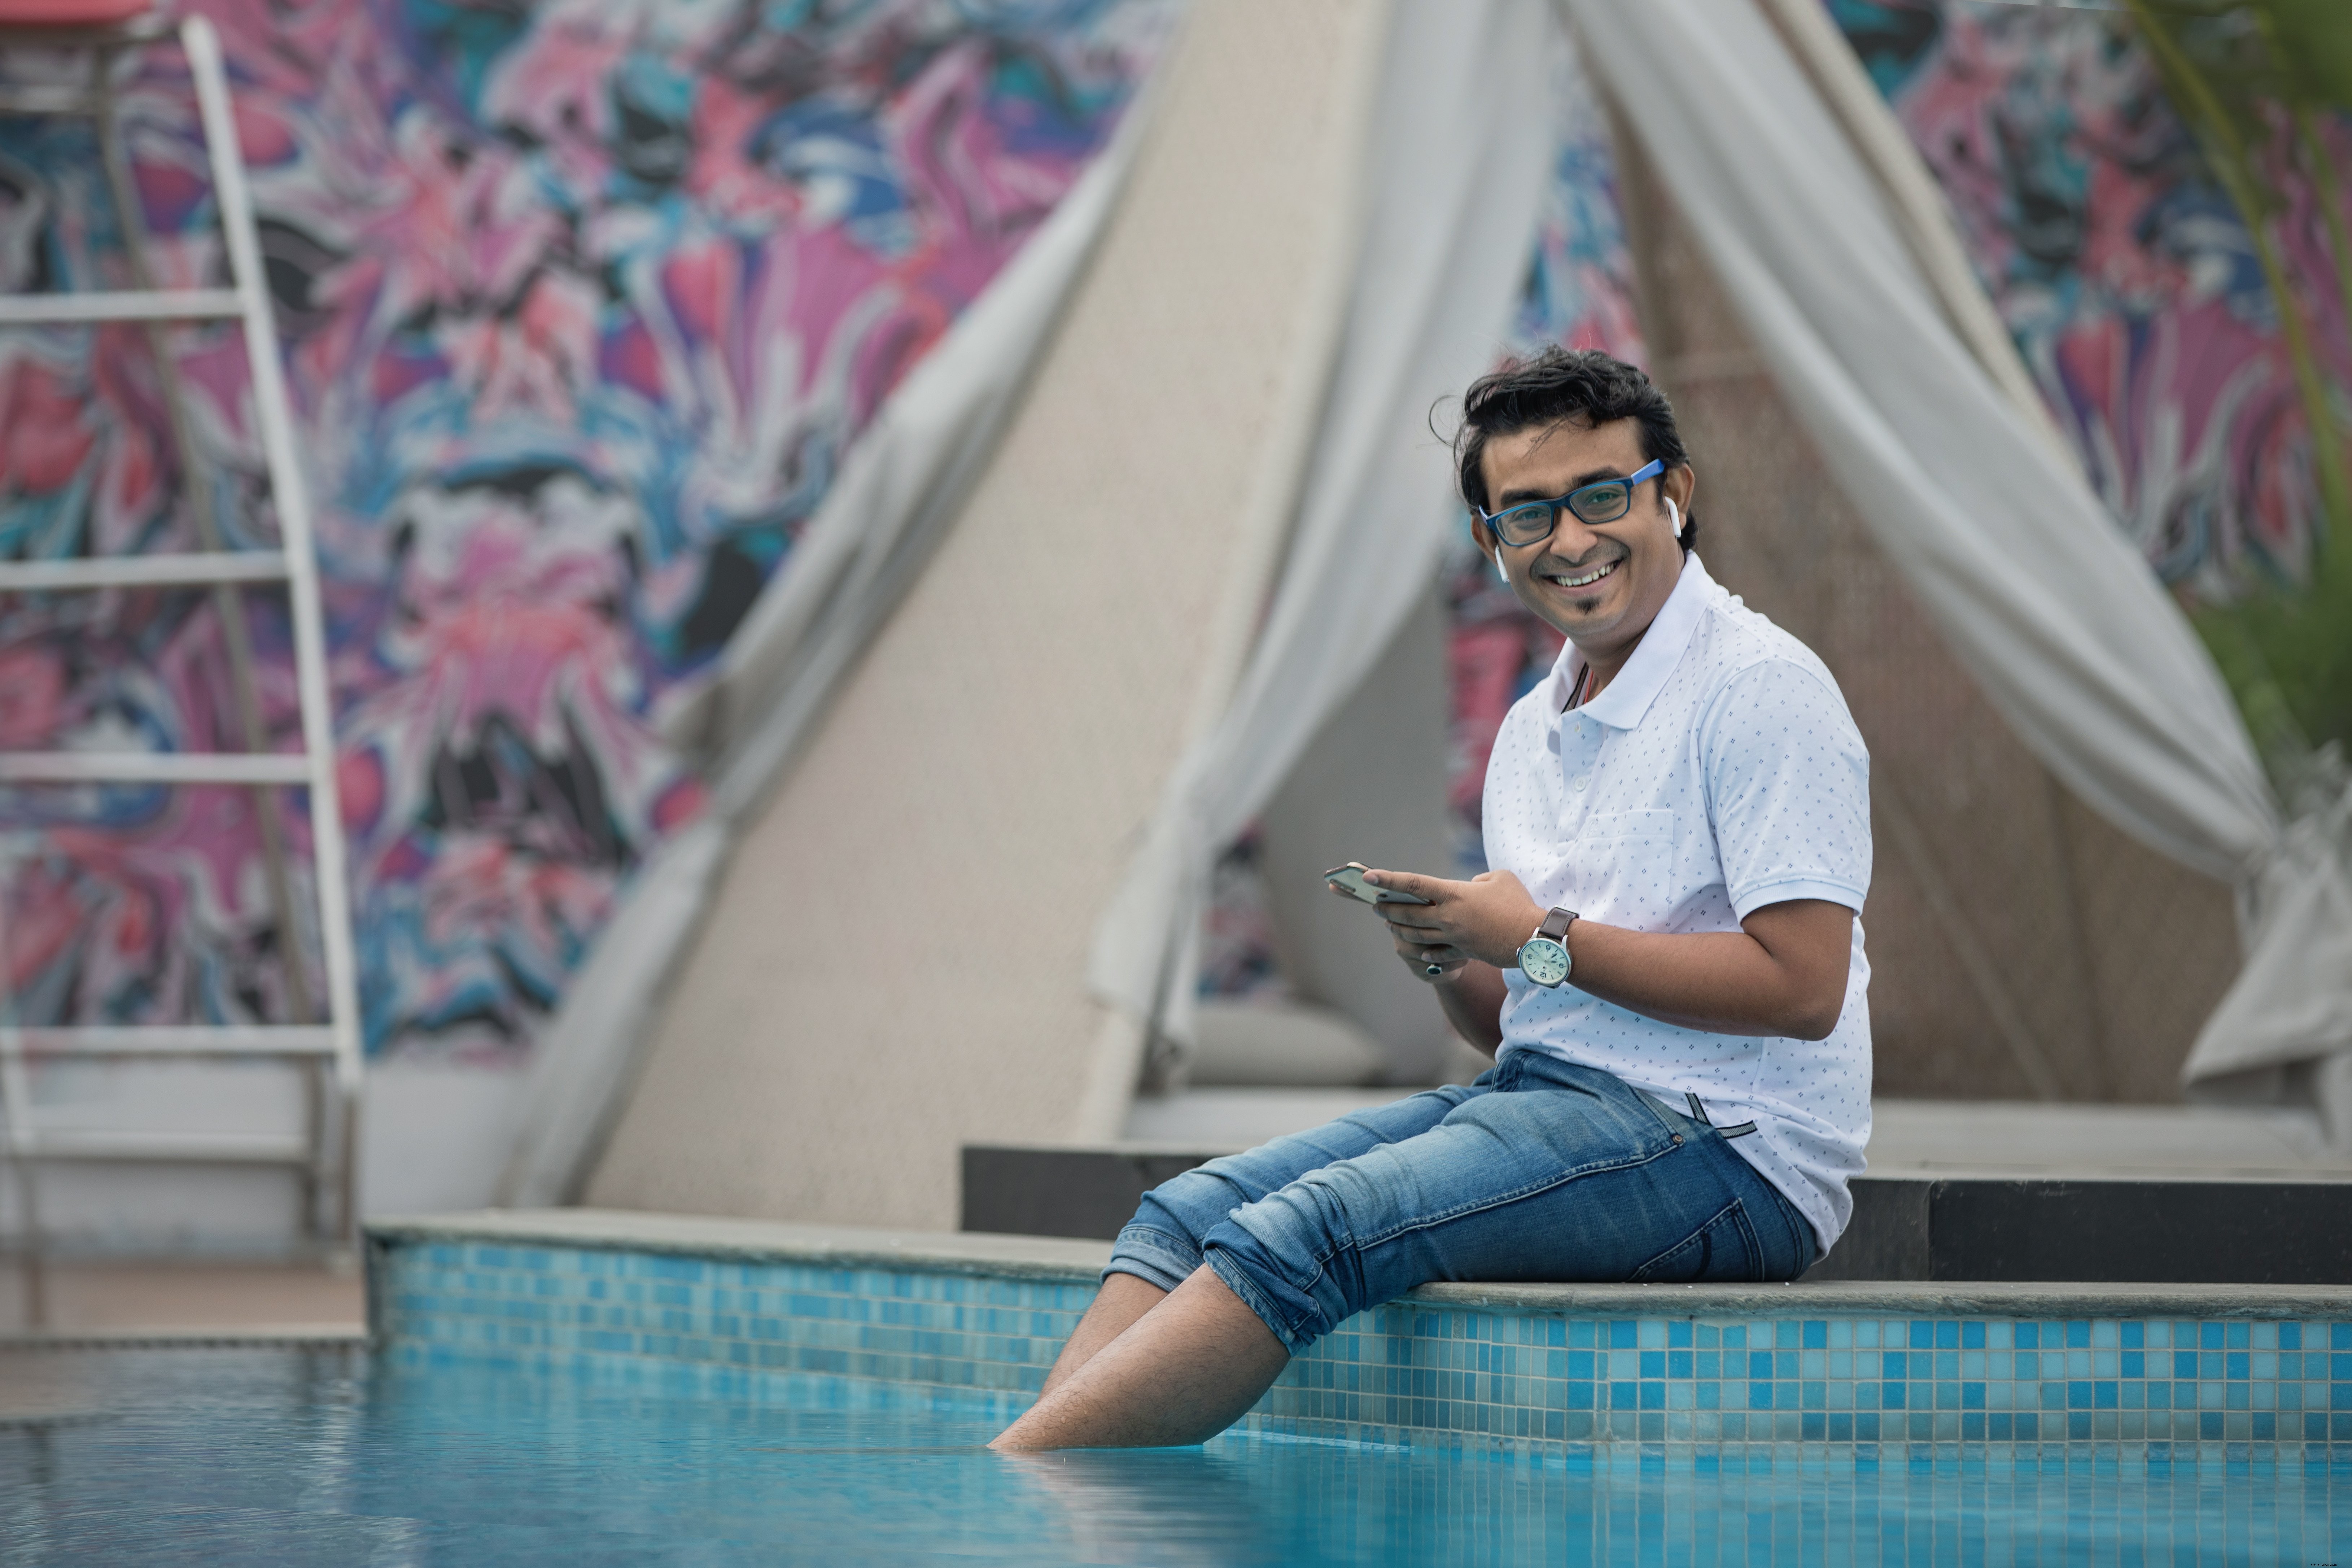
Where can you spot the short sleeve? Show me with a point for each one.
(1788, 783)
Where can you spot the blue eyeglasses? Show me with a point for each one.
(1606, 500)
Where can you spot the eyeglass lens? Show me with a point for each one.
(1603, 503)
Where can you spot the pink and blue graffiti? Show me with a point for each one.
(2125, 274)
(581, 304)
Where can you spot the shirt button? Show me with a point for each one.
(1582, 779)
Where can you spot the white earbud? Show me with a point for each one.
(1506, 576)
(1675, 513)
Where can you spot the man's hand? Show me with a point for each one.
(1487, 918)
(1460, 942)
(1782, 972)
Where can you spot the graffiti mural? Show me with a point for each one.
(581, 303)
(2123, 272)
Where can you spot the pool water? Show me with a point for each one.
(334, 1456)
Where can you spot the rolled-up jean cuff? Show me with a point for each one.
(1153, 1257)
(1237, 1279)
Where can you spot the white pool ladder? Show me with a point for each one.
(323, 1155)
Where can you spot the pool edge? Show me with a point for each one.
(1062, 1259)
(2169, 1372)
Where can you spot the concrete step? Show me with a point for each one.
(1907, 1137)
(1995, 1193)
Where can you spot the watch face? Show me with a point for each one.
(1544, 960)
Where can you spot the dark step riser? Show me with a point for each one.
(2021, 1231)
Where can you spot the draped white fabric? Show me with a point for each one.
(898, 490)
(2036, 592)
(1459, 165)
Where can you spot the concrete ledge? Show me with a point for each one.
(2278, 1232)
(1059, 1260)
(1051, 1259)
(259, 1336)
(1909, 1299)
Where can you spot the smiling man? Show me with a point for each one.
(1665, 958)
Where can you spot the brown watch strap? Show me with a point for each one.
(1555, 924)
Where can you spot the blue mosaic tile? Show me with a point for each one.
(1864, 1387)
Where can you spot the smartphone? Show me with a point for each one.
(1351, 877)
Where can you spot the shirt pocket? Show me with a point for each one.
(1629, 827)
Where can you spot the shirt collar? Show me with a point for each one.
(1623, 702)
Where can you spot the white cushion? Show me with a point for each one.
(1287, 1044)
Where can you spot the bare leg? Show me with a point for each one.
(1122, 1298)
(1182, 1373)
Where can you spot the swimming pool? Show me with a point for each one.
(336, 1456)
(585, 1387)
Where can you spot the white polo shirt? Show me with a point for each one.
(1719, 772)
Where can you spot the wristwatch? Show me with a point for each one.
(1544, 959)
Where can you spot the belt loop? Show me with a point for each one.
(1699, 1113)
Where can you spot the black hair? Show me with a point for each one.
(1584, 385)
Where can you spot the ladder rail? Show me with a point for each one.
(296, 535)
(327, 1148)
(228, 604)
(99, 306)
(30, 1145)
(150, 29)
(16, 1122)
(100, 1145)
(191, 569)
(281, 768)
(167, 1041)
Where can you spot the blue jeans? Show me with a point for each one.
(1540, 1170)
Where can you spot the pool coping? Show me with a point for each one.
(1059, 1260)
(295, 1336)
(1036, 1257)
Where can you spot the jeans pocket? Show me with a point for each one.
(1724, 1248)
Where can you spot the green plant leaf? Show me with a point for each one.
(2314, 43)
(2236, 71)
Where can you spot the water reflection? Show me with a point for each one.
(1424, 1508)
(1172, 1505)
(295, 1458)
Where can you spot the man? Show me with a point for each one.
(1664, 957)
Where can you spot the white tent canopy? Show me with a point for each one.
(890, 953)
(2035, 589)
(1459, 184)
